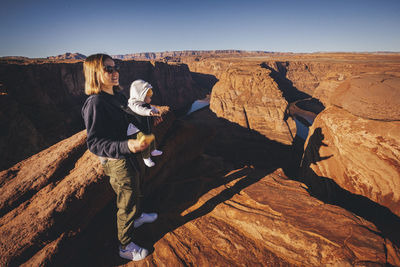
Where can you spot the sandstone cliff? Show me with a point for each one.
(249, 96)
(320, 77)
(45, 100)
(358, 146)
(246, 93)
(306, 75)
(40, 105)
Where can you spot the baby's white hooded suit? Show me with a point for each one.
(138, 91)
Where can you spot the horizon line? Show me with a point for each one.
(216, 50)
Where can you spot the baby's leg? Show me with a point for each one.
(154, 151)
(146, 152)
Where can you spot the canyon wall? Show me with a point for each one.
(306, 75)
(246, 93)
(40, 103)
(356, 143)
(248, 96)
(39, 106)
(319, 78)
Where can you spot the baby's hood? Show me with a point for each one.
(139, 90)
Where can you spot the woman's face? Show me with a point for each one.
(110, 79)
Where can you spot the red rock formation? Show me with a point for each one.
(373, 96)
(252, 99)
(254, 214)
(319, 78)
(361, 155)
(50, 212)
(247, 95)
(40, 106)
(317, 75)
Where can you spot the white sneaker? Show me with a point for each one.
(156, 152)
(133, 252)
(145, 218)
(149, 162)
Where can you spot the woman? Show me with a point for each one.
(106, 124)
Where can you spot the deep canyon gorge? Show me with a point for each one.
(237, 184)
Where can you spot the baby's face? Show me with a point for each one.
(147, 99)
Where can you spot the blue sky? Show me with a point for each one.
(41, 28)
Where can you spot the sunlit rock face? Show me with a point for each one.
(316, 75)
(358, 146)
(248, 96)
(374, 96)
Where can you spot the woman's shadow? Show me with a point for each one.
(328, 191)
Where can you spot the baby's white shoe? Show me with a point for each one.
(156, 152)
(149, 162)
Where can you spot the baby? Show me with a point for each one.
(139, 102)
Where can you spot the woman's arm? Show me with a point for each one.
(100, 134)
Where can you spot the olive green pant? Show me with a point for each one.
(125, 180)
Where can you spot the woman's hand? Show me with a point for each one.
(135, 145)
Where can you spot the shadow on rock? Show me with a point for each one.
(328, 191)
(233, 147)
(290, 92)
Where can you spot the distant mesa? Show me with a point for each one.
(14, 58)
(75, 56)
(169, 56)
(187, 53)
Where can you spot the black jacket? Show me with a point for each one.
(106, 124)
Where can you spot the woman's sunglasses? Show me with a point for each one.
(111, 69)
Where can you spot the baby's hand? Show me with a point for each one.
(155, 113)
